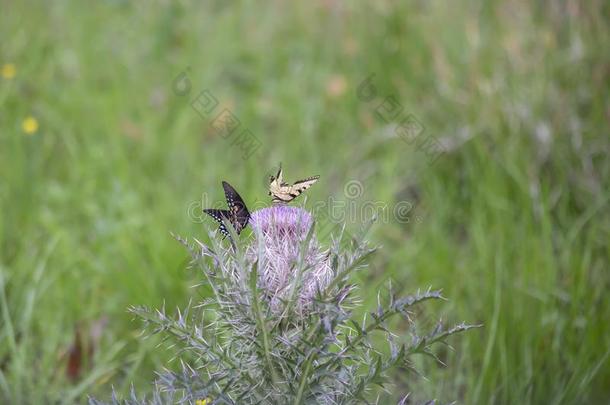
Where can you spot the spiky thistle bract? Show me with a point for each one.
(279, 327)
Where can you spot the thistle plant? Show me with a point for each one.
(279, 327)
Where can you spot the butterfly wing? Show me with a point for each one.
(274, 183)
(238, 212)
(279, 176)
(219, 215)
(298, 187)
(305, 183)
(280, 193)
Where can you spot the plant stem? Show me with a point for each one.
(299, 399)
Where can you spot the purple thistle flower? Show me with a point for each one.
(283, 230)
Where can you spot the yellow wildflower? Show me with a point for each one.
(205, 401)
(8, 71)
(30, 125)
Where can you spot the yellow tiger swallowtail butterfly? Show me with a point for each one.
(282, 192)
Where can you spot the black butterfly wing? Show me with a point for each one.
(239, 214)
(219, 215)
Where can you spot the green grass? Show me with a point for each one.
(512, 222)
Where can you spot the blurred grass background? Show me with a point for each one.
(512, 221)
